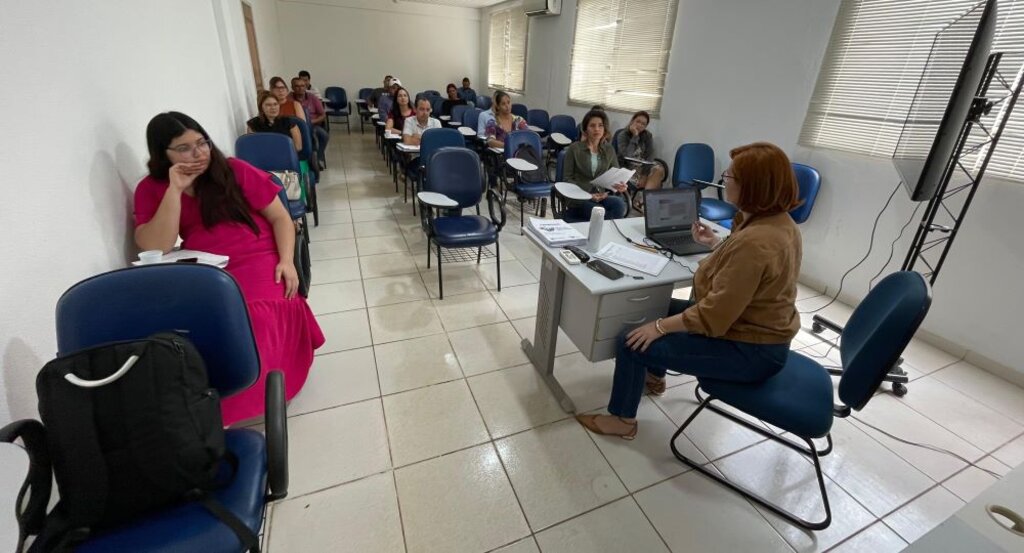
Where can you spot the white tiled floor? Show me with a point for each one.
(422, 426)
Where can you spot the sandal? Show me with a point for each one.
(590, 423)
(655, 385)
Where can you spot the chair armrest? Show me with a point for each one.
(39, 481)
(560, 139)
(536, 129)
(571, 191)
(494, 198)
(466, 131)
(520, 164)
(436, 199)
(445, 117)
(277, 436)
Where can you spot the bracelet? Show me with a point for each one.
(657, 325)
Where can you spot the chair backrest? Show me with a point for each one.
(538, 118)
(336, 96)
(436, 104)
(455, 172)
(134, 303)
(515, 139)
(307, 139)
(615, 140)
(560, 165)
(457, 111)
(365, 93)
(432, 93)
(435, 139)
(809, 180)
(484, 102)
(521, 110)
(878, 330)
(566, 125)
(471, 118)
(693, 161)
(267, 151)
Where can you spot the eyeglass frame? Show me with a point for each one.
(190, 150)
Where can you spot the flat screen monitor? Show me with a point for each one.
(942, 101)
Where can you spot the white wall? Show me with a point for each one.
(354, 43)
(745, 71)
(72, 151)
(268, 38)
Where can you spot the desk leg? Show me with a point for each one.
(542, 351)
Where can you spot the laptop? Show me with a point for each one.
(669, 215)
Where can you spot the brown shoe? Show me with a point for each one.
(655, 385)
(590, 423)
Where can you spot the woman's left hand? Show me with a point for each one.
(643, 336)
(286, 270)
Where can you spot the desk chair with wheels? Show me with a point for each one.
(538, 191)
(338, 104)
(798, 399)
(134, 303)
(453, 185)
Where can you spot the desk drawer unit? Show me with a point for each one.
(594, 321)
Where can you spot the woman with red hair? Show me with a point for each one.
(742, 312)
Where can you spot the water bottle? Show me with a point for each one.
(594, 234)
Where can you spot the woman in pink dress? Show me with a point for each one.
(228, 207)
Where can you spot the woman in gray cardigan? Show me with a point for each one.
(636, 142)
(586, 160)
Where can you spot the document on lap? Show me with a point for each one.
(613, 176)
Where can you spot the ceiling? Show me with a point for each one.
(459, 3)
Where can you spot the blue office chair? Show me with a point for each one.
(134, 303)
(697, 161)
(338, 105)
(470, 120)
(521, 110)
(363, 108)
(432, 93)
(539, 118)
(523, 190)
(560, 204)
(566, 125)
(484, 102)
(436, 106)
(452, 185)
(431, 141)
(808, 179)
(457, 111)
(310, 167)
(798, 399)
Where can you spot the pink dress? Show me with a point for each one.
(286, 331)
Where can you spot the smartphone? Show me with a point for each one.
(187, 260)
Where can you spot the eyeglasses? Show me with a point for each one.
(726, 175)
(277, 86)
(185, 149)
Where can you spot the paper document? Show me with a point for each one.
(650, 263)
(615, 175)
(201, 257)
(556, 233)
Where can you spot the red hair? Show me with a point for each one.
(766, 179)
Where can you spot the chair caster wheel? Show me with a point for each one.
(817, 328)
(899, 389)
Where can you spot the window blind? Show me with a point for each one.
(620, 53)
(506, 63)
(875, 58)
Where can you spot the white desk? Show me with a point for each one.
(597, 309)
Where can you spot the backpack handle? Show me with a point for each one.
(81, 383)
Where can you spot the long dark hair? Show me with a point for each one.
(220, 197)
(396, 110)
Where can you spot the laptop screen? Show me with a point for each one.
(671, 209)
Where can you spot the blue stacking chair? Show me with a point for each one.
(521, 110)
(484, 102)
(272, 152)
(436, 105)
(539, 118)
(338, 104)
(799, 398)
(310, 167)
(134, 303)
(566, 125)
(364, 109)
(696, 161)
(457, 112)
(453, 185)
(808, 179)
(303, 264)
(432, 93)
(560, 204)
(431, 141)
(470, 120)
(525, 191)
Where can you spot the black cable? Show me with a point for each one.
(871, 245)
(659, 249)
(892, 246)
(930, 447)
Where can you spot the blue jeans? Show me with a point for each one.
(614, 208)
(690, 354)
(320, 140)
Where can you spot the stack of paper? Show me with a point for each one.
(650, 263)
(200, 257)
(612, 176)
(556, 233)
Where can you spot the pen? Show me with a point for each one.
(648, 248)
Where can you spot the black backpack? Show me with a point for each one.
(526, 152)
(124, 446)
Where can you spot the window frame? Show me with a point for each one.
(526, 49)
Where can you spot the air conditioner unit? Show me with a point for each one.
(542, 7)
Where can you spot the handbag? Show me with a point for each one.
(290, 182)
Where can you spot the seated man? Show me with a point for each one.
(388, 99)
(377, 93)
(467, 93)
(412, 132)
(309, 84)
(315, 114)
